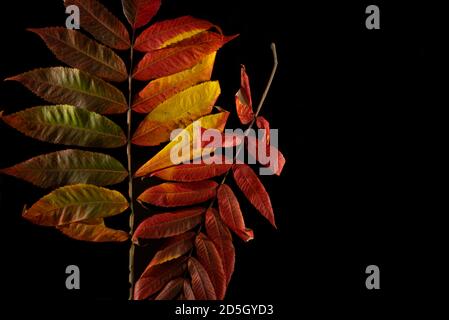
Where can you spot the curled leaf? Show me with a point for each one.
(243, 99)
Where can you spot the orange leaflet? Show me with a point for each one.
(159, 90)
(165, 33)
(219, 234)
(201, 284)
(263, 123)
(154, 278)
(243, 101)
(193, 172)
(169, 224)
(179, 194)
(231, 214)
(184, 55)
(93, 230)
(209, 257)
(140, 12)
(174, 248)
(254, 190)
(271, 153)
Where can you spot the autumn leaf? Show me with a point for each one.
(176, 112)
(263, 123)
(184, 55)
(156, 277)
(93, 230)
(179, 194)
(274, 167)
(209, 257)
(231, 214)
(169, 224)
(159, 90)
(174, 248)
(201, 284)
(140, 12)
(163, 160)
(219, 234)
(67, 125)
(102, 24)
(171, 289)
(243, 99)
(74, 87)
(254, 190)
(188, 291)
(193, 172)
(79, 51)
(169, 32)
(74, 204)
(69, 167)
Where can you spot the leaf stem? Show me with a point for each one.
(130, 173)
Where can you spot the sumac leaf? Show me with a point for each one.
(184, 55)
(74, 204)
(219, 234)
(154, 278)
(193, 172)
(188, 291)
(231, 214)
(273, 167)
(168, 32)
(171, 289)
(159, 90)
(169, 224)
(243, 99)
(74, 87)
(209, 257)
(102, 24)
(253, 189)
(201, 284)
(163, 159)
(174, 248)
(69, 167)
(140, 12)
(94, 231)
(263, 123)
(179, 194)
(69, 125)
(79, 51)
(176, 112)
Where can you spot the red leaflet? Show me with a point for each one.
(243, 102)
(140, 12)
(188, 291)
(184, 55)
(254, 190)
(162, 34)
(231, 214)
(168, 224)
(193, 172)
(211, 138)
(201, 284)
(156, 277)
(275, 166)
(174, 248)
(209, 257)
(263, 123)
(221, 237)
(179, 194)
(171, 290)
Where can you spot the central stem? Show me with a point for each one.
(130, 173)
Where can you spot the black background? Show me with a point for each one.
(353, 108)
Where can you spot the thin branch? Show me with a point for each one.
(130, 173)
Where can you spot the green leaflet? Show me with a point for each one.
(79, 51)
(74, 204)
(74, 87)
(64, 124)
(69, 167)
